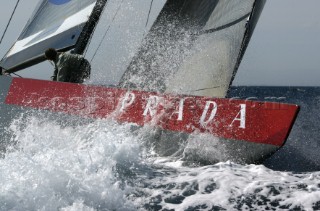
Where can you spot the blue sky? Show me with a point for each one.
(284, 50)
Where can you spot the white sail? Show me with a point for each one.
(118, 37)
(194, 47)
(55, 23)
(177, 46)
(209, 69)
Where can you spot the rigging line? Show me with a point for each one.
(226, 25)
(90, 39)
(214, 87)
(105, 34)
(16, 75)
(86, 50)
(14, 10)
(149, 13)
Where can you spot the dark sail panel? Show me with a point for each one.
(194, 47)
(208, 69)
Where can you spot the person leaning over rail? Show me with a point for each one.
(3, 72)
(69, 67)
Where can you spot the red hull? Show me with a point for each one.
(254, 122)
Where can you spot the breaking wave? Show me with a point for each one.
(101, 165)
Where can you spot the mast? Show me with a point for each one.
(88, 29)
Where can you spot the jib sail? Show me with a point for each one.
(56, 24)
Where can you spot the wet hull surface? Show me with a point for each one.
(245, 131)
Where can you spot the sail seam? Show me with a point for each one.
(209, 31)
(149, 13)
(90, 38)
(105, 34)
(215, 87)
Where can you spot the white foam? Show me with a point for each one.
(52, 167)
(104, 166)
(236, 187)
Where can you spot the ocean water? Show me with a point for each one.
(102, 165)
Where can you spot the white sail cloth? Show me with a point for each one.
(55, 23)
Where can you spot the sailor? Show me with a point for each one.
(69, 67)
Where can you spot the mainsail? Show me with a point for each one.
(56, 24)
(118, 36)
(177, 46)
(194, 47)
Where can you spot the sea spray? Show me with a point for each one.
(102, 165)
(53, 167)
